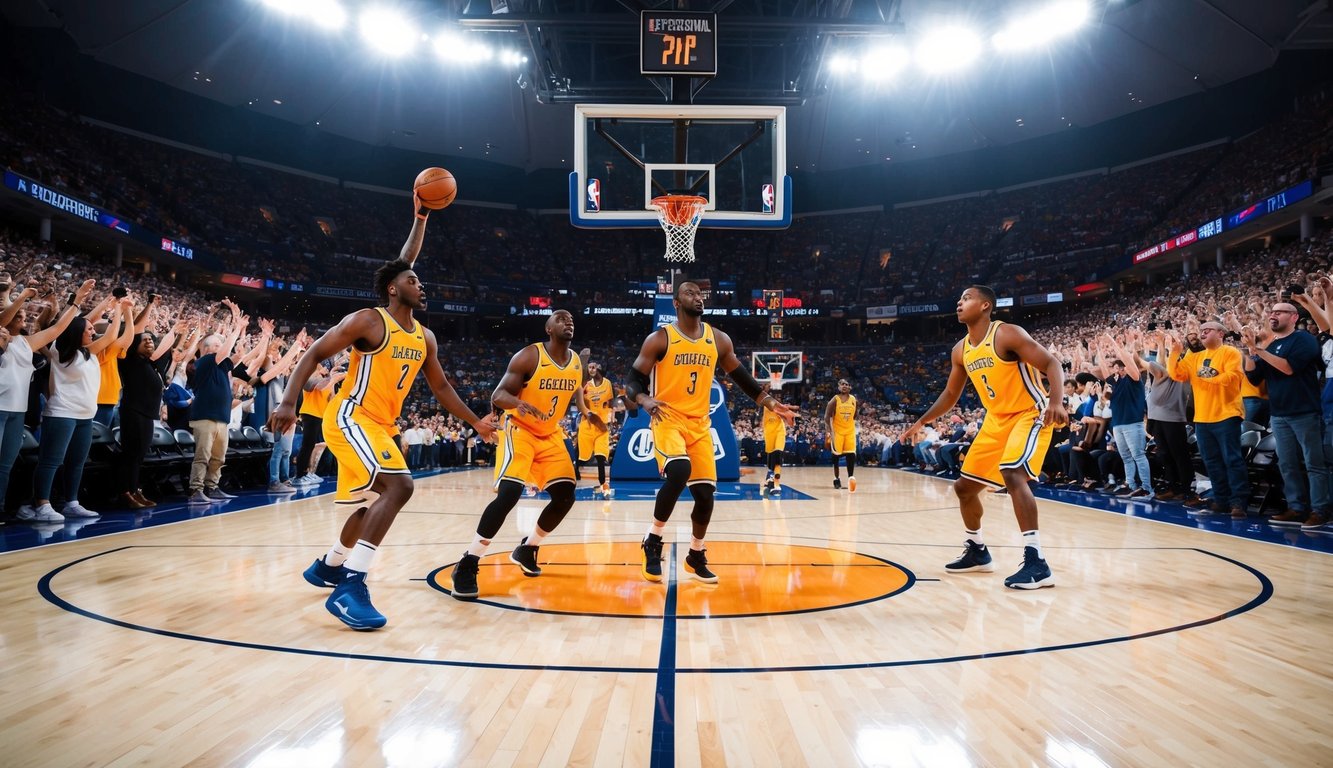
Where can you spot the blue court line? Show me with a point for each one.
(664, 702)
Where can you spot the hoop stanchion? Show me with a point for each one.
(679, 216)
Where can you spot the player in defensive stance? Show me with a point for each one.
(594, 436)
(1003, 362)
(388, 349)
(775, 441)
(840, 418)
(534, 393)
(681, 358)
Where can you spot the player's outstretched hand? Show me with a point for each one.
(281, 420)
(486, 428)
(1055, 415)
(787, 413)
(653, 407)
(910, 432)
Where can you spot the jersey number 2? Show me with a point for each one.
(403, 378)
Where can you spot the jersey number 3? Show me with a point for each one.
(989, 392)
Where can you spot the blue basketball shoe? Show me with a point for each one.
(350, 602)
(321, 574)
(1034, 574)
(975, 558)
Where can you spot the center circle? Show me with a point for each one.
(754, 579)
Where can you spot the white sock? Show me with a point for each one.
(1033, 539)
(657, 528)
(479, 545)
(362, 555)
(696, 544)
(975, 537)
(536, 536)
(336, 556)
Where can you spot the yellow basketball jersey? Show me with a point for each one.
(844, 414)
(683, 378)
(314, 402)
(378, 381)
(549, 390)
(599, 397)
(1005, 386)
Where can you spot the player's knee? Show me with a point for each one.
(396, 485)
(509, 493)
(1014, 477)
(678, 472)
(965, 488)
(562, 494)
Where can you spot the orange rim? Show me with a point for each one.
(677, 210)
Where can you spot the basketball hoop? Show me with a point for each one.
(679, 216)
(775, 382)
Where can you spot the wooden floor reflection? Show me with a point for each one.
(833, 638)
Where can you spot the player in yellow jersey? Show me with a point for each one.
(840, 419)
(775, 442)
(535, 393)
(594, 436)
(681, 358)
(1004, 365)
(389, 347)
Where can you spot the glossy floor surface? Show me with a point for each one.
(834, 637)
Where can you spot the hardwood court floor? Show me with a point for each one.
(834, 639)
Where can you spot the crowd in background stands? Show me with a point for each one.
(268, 223)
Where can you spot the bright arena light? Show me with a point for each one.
(948, 49)
(1040, 27)
(884, 62)
(388, 31)
(512, 58)
(325, 13)
(841, 65)
(461, 49)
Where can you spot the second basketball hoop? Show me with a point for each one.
(679, 216)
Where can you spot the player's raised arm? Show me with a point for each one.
(949, 397)
(731, 365)
(636, 387)
(362, 324)
(1012, 339)
(412, 248)
(448, 397)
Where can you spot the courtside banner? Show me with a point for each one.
(636, 459)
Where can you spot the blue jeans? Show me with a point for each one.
(1219, 444)
(280, 462)
(106, 414)
(1132, 441)
(11, 440)
(1256, 410)
(1300, 456)
(64, 441)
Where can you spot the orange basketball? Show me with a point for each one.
(435, 187)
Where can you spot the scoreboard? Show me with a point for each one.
(677, 43)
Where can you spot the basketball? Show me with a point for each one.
(435, 187)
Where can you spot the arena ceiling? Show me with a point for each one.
(1130, 55)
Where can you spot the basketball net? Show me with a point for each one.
(679, 216)
(775, 382)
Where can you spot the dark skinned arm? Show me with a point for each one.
(364, 325)
(1010, 339)
(948, 398)
(448, 397)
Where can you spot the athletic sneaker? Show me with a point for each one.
(608, 492)
(198, 497)
(837, 483)
(465, 578)
(309, 478)
(280, 488)
(74, 510)
(1034, 574)
(652, 557)
(217, 494)
(975, 557)
(696, 563)
(350, 602)
(851, 485)
(321, 574)
(40, 514)
(525, 557)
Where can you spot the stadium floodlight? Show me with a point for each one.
(884, 62)
(512, 58)
(461, 49)
(325, 13)
(1037, 29)
(388, 31)
(948, 49)
(840, 64)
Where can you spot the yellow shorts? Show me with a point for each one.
(1007, 441)
(693, 440)
(534, 459)
(843, 442)
(775, 437)
(593, 442)
(365, 450)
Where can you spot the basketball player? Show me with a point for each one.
(1003, 362)
(775, 441)
(388, 349)
(594, 429)
(534, 393)
(681, 358)
(840, 418)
